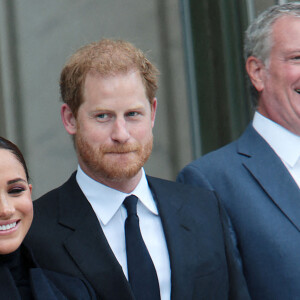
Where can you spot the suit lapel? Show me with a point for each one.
(266, 167)
(88, 246)
(178, 234)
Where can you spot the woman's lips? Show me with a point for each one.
(8, 226)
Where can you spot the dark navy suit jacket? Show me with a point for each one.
(66, 236)
(263, 203)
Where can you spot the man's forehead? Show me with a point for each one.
(283, 21)
(94, 73)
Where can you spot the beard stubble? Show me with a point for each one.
(106, 161)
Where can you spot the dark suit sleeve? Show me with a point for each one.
(70, 287)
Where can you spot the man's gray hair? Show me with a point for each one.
(258, 36)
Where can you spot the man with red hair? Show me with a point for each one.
(130, 235)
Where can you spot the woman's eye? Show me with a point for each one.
(17, 190)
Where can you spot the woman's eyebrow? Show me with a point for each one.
(15, 180)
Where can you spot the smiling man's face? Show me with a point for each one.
(279, 89)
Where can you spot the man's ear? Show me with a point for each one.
(68, 119)
(256, 71)
(153, 111)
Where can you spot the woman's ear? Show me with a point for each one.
(68, 119)
(30, 188)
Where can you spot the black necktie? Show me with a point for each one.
(141, 270)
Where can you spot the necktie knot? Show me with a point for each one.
(130, 203)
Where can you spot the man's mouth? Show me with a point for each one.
(120, 152)
(8, 226)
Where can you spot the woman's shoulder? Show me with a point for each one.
(46, 282)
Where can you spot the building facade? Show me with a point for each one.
(195, 44)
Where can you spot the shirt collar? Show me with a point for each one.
(285, 143)
(106, 201)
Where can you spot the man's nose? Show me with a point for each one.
(120, 131)
(6, 207)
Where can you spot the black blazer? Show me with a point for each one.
(66, 236)
(44, 284)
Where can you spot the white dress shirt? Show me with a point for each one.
(107, 205)
(285, 143)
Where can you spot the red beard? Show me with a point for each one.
(116, 163)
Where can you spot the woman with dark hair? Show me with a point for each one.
(20, 276)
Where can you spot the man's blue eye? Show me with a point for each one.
(132, 114)
(102, 116)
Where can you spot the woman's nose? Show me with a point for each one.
(6, 207)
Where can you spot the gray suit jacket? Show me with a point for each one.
(66, 236)
(263, 203)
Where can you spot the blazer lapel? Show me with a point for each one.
(269, 171)
(179, 237)
(88, 246)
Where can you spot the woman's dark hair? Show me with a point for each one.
(7, 145)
